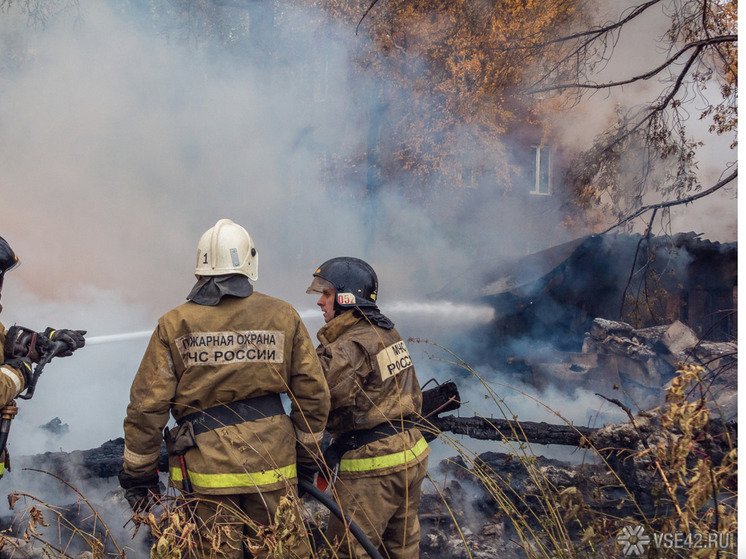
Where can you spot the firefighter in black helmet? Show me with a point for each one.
(22, 347)
(8, 261)
(375, 398)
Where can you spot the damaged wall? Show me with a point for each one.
(548, 300)
(661, 280)
(611, 314)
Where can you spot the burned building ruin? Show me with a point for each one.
(611, 312)
(555, 294)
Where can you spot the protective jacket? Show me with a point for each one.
(372, 382)
(12, 383)
(202, 356)
(11, 380)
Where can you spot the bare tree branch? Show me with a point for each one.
(590, 36)
(730, 178)
(595, 33)
(698, 45)
(653, 110)
(365, 14)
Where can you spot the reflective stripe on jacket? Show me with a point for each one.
(371, 381)
(216, 481)
(387, 461)
(11, 380)
(202, 356)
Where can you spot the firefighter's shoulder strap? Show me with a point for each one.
(352, 440)
(234, 413)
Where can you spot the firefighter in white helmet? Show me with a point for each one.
(22, 348)
(375, 400)
(218, 364)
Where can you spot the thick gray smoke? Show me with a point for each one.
(121, 145)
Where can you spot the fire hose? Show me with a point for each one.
(329, 503)
(57, 348)
(9, 411)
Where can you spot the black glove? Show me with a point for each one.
(23, 364)
(73, 339)
(22, 342)
(306, 472)
(141, 492)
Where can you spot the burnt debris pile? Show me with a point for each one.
(635, 365)
(480, 498)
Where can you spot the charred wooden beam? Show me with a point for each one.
(106, 460)
(502, 429)
(444, 397)
(102, 462)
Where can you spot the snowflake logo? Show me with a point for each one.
(633, 541)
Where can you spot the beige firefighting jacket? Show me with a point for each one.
(371, 381)
(11, 380)
(12, 383)
(201, 356)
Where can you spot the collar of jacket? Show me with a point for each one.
(209, 290)
(337, 326)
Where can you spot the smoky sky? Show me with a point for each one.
(120, 147)
(121, 144)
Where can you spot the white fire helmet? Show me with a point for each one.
(227, 248)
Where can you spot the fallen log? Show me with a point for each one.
(101, 462)
(504, 430)
(106, 460)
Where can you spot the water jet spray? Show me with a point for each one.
(93, 340)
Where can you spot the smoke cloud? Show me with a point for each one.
(120, 145)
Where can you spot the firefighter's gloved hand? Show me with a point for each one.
(73, 339)
(22, 342)
(306, 472)
(24, 365)
(141, 492)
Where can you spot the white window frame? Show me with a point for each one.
(539, 188)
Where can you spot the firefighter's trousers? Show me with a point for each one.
(226, 521)
(385, 508)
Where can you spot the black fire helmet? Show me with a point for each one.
(353, 279)
(8, 258)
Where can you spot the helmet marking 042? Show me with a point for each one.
(227, 248)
